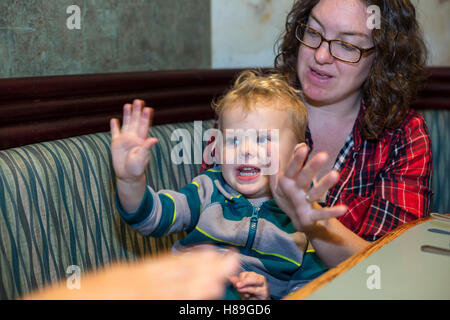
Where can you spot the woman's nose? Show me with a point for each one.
(322, 54)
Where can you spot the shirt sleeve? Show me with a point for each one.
(167, 211)
(402, 189)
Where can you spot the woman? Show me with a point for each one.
(357, 88)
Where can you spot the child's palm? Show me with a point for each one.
(127, 156)
(291, 187)
(130, 146)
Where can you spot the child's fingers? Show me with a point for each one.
(251, 285)
(324, 184)
(126, 117)
(136, 115)
(144, 123)
(149, 142)
(310, 170)
(251, 290)
(260, 293)
(250, 279)
(233, 280)
(115, 128)
(328, 213)
(296, 161)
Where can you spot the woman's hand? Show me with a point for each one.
(251, 286)
(291, 190)
(130, 146)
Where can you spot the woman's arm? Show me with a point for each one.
(333, 242)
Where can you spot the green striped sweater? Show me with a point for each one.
(214, 214)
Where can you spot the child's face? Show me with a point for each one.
(258, 152)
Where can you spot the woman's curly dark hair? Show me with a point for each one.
(398, 69)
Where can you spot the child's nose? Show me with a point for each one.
(248, 148)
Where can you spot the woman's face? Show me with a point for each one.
(324, 79)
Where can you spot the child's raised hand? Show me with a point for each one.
(293, 193)
(251, 286)
(130, 146)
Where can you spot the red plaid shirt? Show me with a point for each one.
(384, 182)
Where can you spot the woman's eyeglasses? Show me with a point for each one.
(339, 49)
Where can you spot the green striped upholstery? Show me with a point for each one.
(57, 208)
(438, 122)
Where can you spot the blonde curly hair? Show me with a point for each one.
(253, 86)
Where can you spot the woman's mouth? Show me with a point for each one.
(319, 75)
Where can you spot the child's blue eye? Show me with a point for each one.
(233, 141)
(263, 139)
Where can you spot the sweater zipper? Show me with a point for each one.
(252, 229)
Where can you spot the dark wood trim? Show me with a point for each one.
(96, 84)
(48, 108)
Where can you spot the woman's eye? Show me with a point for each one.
(347, 47)
(309, 34)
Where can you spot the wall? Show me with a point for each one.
(434, 18)
(115, 36)
(244, 31)
(146, 35)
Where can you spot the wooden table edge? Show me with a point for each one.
(328, 276)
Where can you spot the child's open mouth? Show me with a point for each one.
(248, 172)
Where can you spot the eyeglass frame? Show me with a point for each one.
(322, 39)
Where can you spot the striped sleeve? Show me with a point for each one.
(167, 211)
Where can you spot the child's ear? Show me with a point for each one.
(212, 152)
